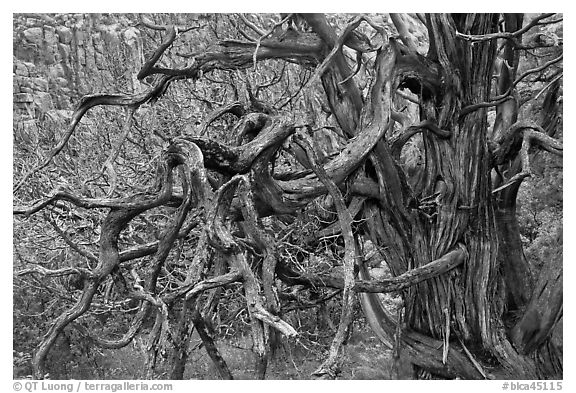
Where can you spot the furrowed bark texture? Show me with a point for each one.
(456, 177)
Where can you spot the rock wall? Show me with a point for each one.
(58, 58)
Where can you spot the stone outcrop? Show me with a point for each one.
(58, 58)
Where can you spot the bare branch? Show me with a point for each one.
(506, 35)
(137, 202)
(251, 25)
(151, 25)
(439, 266)
(272, 131)
(126, 339)
(405, 36)
(328, 367)
(266, 35)
(66, 271)
(222, 239)
(193, 289)
(506, 96)
(166, 43)
(532, 133)
(91, 101)
(235, 108)
(85, 253)
(400, 141)
(376, 121)
(336, 49)
(209, 345)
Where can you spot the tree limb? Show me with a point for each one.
(506, 34)
(405, 36)
(66, 271)
(91, 101)
(531, 133)
(506, 96)
(410, 278)
(329, 366)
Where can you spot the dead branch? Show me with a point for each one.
(409, 132)
(192, 290)
(91, 101)
(506, 96)
(410, 278)
(531, 134)
(233, 160)
(233, 55)
(251, 25)
(66, 271)
(221, 238)
(107, 260)
(506, 35)
(120, 214)
(345, 100)
(329, 366)
(136, 202)
(405, 36)
(109, 163)
(235, 108)
(209, 344)
(375, 121)
(337, 48)
(126, 339)
(151, 25)
(85, 253)
(166, 43)
(422, 350)
(266, 244)
(266, 35)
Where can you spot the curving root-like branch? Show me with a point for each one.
(122, 211)
(374, 122)
(136, 202)
(66, 271)
(337, 48)
(265, 243)
(222, 239)
(233, 160)
(400, 141)
(147, 68)
(400, 24)
(421, 350)
(236, 108)
(107, 260)
(366, 284)
(126, 338)
(532, 134)
(507, 35)
(507, 95)
(200, 325)
(329, 367)
(91, 101)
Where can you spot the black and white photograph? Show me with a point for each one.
(286, 196)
